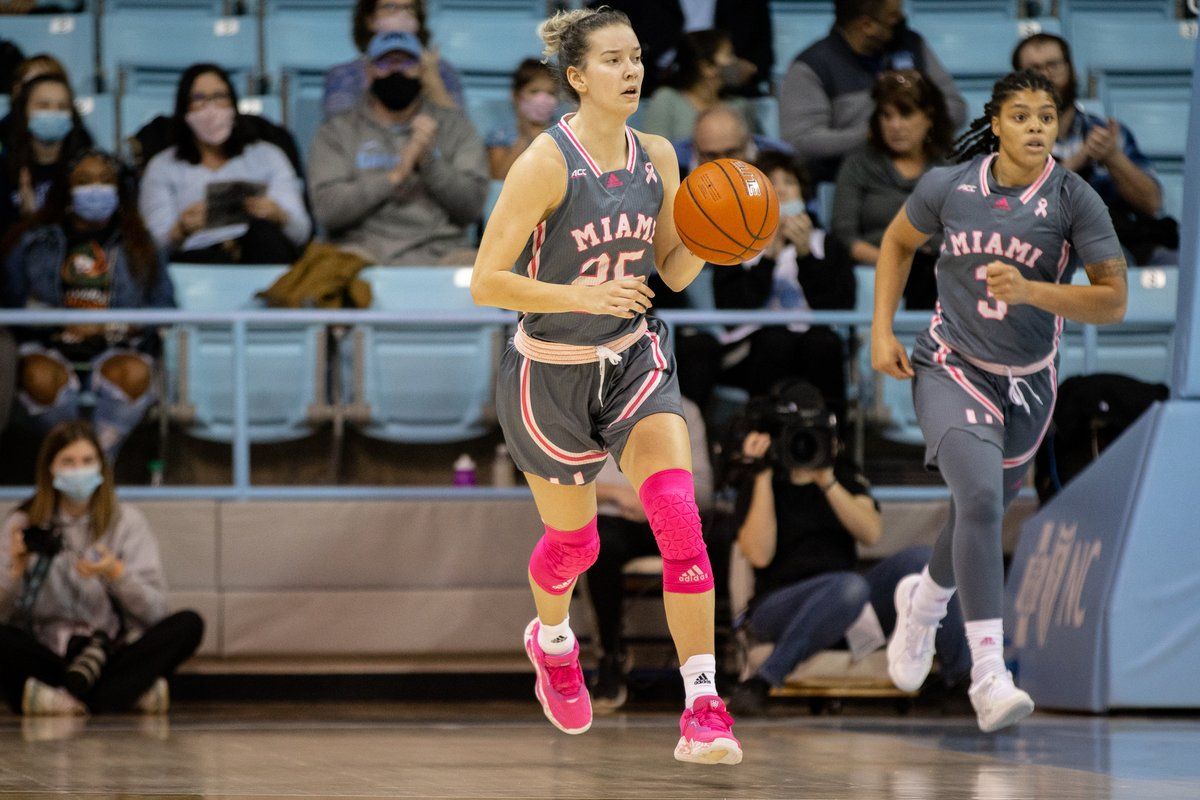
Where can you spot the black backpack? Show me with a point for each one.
(1091, 412)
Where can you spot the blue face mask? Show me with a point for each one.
(50, 127)
(95, 202)
(78, 484)
(792, 208)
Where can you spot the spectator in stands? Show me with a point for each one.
(825, 103)
(215, 196)
(801, 530)
(661, 24)
(399, 178)
(802, 268)
(534, 100)
(105, 584)
(25, 71)
(625, 535)
(10, 58)
(88, 248)
(722, 132)
(346, 83)
(704, 66)
(44, 132)
(1103, 151)
(909, 135)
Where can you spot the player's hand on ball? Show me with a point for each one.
(1005, 283)
(625, 298)
(889, 356)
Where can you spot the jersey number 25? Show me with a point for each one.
(594, 271)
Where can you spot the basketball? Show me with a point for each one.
(726, 211)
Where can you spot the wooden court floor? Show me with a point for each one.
(507, 750)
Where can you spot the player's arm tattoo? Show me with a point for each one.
(1109, 268)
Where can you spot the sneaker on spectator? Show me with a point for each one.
(910, 651)
(706, 734)
(40, 700)
(156, 699)
(610, 689)
(749, 698)
(559, 686)
(999, 703)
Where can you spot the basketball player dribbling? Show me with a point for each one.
(984, 372)
(587, 372)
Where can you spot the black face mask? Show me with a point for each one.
(396, 91)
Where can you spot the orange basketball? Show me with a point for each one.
(726, 211)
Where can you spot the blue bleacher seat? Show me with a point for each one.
(419, 383)
(489, 106)
(1140, 350)
(302, 92)
(766, 109)
(533, 8)
(1172, 189)
(1160, 126)
(1143, 55)
(71, 38)
(509, 38)
(99, 114)
(282, 363)
(977, 51)
(795, 27)
(996, 10)
(137, 40)
(312, 41)
(1160, 9)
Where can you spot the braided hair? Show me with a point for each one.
(979, 139)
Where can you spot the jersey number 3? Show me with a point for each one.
(594, 271)
(986, 309)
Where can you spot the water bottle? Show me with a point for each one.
(502, 468)
(464, 471)
(156, 472)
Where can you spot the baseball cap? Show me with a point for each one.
(391, 42)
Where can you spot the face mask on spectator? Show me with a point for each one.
(538, 107)
(211, 124)
(95, 202)
(397, 22)
(50, 127)
(792, 208)
(396, 91)
(78, 484)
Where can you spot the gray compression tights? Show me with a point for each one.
(969, 553)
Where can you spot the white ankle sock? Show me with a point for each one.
(556, 640)
(930, 600)
(986, 640)
(699, 677)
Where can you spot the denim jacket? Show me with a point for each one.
(33, 274)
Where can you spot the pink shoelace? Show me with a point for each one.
(566, 677)
(713, 715)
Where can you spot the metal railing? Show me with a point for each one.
(239, 322)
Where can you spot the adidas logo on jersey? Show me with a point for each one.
(579, 173)
(702, 680)
(693, 575)
(613, 181)
(967, 187)
(1002, 204)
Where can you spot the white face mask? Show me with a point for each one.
(79, 484)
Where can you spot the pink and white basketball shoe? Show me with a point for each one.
(706, 734)
(559, 686)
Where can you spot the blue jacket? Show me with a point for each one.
(33, 273)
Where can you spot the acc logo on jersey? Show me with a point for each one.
(579, 173)
(966, 187)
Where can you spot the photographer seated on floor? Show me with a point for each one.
(83, 590)
(805, 510)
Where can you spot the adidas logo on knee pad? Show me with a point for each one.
(693, 575)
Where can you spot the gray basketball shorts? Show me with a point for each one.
(950, 393)
(561, 421)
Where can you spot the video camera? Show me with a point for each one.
(802, 431)
(47, 542)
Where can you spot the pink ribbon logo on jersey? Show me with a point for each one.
(1042, 205)
(650, 174)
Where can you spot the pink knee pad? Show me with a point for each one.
(669, 498)
(562, 556)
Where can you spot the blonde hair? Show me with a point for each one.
(565, 38)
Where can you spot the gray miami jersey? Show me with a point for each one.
(603, 230)
(1033, 228)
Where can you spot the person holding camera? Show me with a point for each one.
(808, 511)
(83, 590)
